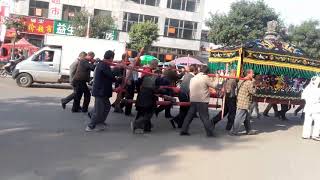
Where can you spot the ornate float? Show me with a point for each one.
(282, 70)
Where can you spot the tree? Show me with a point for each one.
(142, 35)
(18, 24)
(99, 24)
(245, 21)
(307, 37)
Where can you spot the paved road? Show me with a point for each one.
(40, 141)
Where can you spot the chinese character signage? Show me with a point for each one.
(40, 26)
(55, 9)
(63, 28)
(112, 35)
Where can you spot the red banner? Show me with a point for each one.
(40, 26)
(2, 13)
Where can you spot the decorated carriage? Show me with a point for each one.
(282, 70)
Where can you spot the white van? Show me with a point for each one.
(51, 63)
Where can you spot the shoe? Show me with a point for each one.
(258, 116)
(147, 130)
(89, 115)
(250, 133)
(75, 111)
(213, 135)
(295, 113)
(266, 115)
(233, 134)
(184, 134)
(118, 110)
(316, 138)
(63, 105)
(89, 129)
(84, 110)
(101, 127)
(135, 130)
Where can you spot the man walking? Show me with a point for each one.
(81, 77)
(184, 95)
(102, 91)
(230, 87)
(73, 68)
(246, 90)
(199, 97)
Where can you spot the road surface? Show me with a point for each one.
(40, 141)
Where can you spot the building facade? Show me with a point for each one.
(179, 21)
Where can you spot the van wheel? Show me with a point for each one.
(24, 80)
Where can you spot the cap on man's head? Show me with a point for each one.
(108, 54)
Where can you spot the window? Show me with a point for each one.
(131, 18)
(98, 12)
(147, 2)
(180, 29)
(44, 56)
(184, 5)
(68, 11)
(38, 8)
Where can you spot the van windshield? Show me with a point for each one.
(44, 56)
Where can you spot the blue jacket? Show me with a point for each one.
(102, 82)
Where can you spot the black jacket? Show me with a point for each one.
(83, 70)
(102, 82)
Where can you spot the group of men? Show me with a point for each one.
(195, 87)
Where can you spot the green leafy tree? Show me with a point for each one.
(307, 37)
(99, 24)
(142, 35)
(245, 21)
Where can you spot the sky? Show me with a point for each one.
(291, 11)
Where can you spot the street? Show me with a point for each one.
(41, 141)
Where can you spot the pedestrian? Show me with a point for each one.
(132, 79)
(170, 77)
(199, 97)
(184, 95)
(73, 68)
(101, 91)
(311, 95)
(268, 108)
(146, 101)
(246, 90)
(80, 80)
(230, 107)
(254, 107)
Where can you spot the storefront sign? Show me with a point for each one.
(40, 26)
(55, 9)
(112, 35)
(63, 28)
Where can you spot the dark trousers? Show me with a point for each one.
(268, 108)
(100, 111)
(284, 109)
(167, 109)
(183, 111)
(202, 108)
(129, 96)
(143, 118)
(70, 97)
(242, 116)
(81, 88)
(230, 108)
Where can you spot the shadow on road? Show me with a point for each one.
(39, 139)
